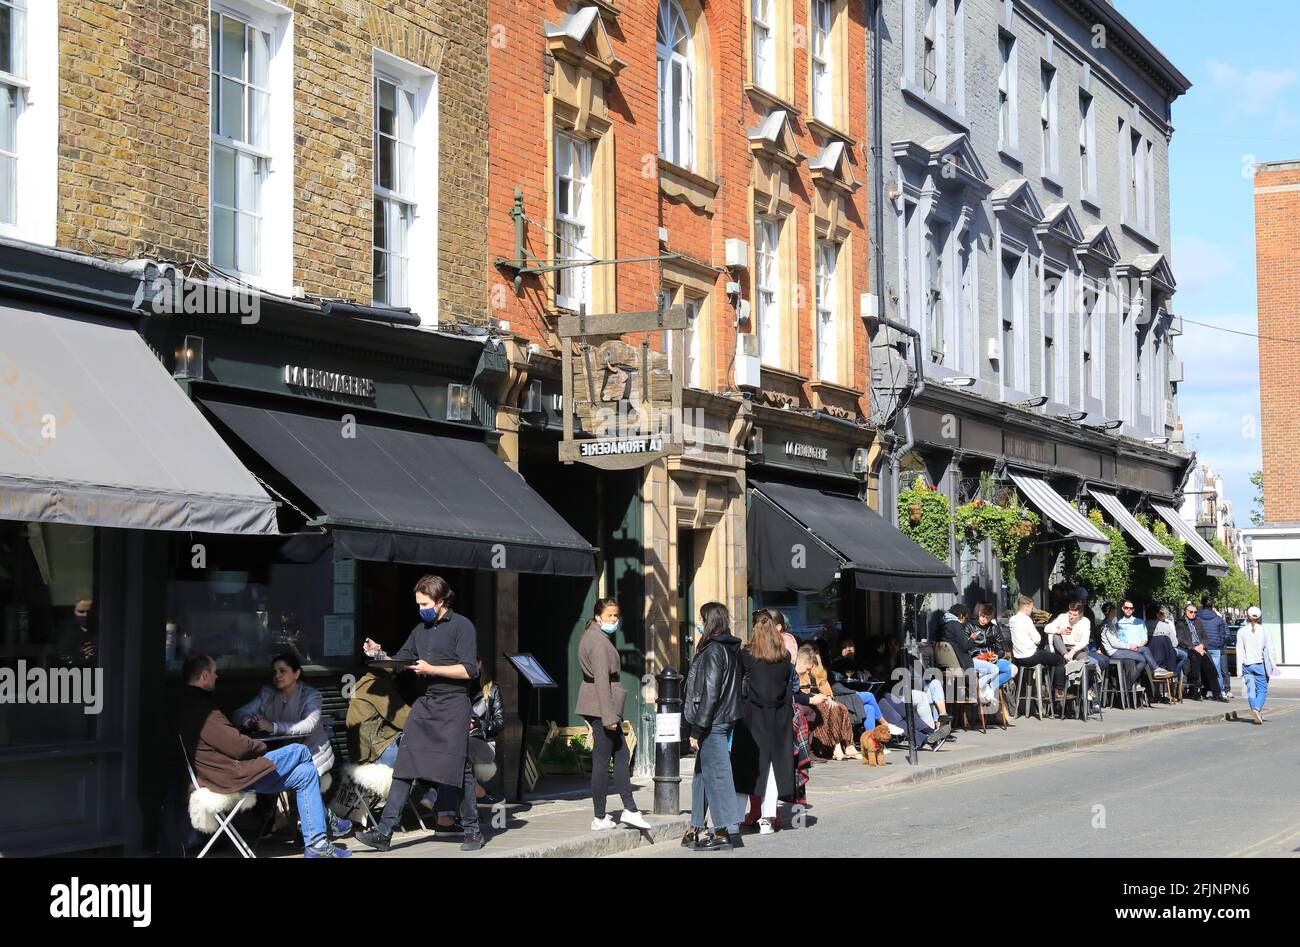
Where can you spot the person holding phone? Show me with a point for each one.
(434, 747)
(600, 702)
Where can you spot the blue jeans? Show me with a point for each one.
(1256, 680)
(713, 785)
(1221, 664)
(1006, 671)
(295, 771)
(871, 714)
(1182, 661)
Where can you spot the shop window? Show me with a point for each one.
(49, 634)
(256, 598)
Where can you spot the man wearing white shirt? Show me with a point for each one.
(1074, 629)
(1255, 661)
(1026, 644)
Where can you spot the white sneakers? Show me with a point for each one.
(895, 729)
(765, 827)
(987, 696)
(634, 819)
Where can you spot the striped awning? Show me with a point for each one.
(1156, 552)
(1057, 509)
(1211, 560)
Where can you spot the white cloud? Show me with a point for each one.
(1251, 92)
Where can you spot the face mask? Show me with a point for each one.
(428, 614)
(610, 629)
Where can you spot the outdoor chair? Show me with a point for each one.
(364, 791)
(1029, 689)
(946, 659)
(1119, 694)
(213, 813)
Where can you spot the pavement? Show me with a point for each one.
(555, 821)
(1226, 790)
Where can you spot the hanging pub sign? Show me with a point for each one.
(627, 398)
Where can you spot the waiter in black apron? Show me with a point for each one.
(435, 741)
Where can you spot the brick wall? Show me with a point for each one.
(519, 71)
(1277, 278)
(134, 120)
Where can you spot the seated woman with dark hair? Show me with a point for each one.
(288, 707)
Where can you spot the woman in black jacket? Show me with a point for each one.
(486, 724)
(762, 750)
(710, 708)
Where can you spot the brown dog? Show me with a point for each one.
(872, 743)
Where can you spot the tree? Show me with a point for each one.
(1257, 505)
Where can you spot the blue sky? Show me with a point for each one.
(1244, 106)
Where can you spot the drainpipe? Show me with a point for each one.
(896, 450)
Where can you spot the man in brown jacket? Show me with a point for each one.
(225, 761)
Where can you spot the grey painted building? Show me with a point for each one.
(1024, 221)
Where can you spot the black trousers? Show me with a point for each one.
(1202, 666)
(401, 791)
(1047, 658)
(607, 745)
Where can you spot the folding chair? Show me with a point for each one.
(365, 789)
(213, 813)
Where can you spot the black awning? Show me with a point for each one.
(395, 495)
(845, 534)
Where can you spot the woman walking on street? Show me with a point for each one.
(600, 703)
(712, 705)
(1256, 662)
(762, 750)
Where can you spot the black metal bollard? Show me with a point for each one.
(668, 745)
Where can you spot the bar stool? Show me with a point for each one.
(1023, 689)
(1119, 693)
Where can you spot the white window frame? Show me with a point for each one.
(966, 321)
(1087, 144)
(1054, 383)
(573, 227)
(762, 48)
(827, 321)
(272, 268)
(1137, 180)
(1047, 116)
(823, 61)
(420, 197)
(34, 157)
(1008, 91)
(1148, 167)
(767, 288)
(1015, 359)
(676, 113)
(936, 278)
(930, 64)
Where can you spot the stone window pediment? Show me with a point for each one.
(1099, 246)
(776, 154)
(949, 160)
(1016, 199)
(1059, 222)
(581, 40)
(832, 169)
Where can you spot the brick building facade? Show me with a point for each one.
(1276, 542)
(135, 137)
(681, 137)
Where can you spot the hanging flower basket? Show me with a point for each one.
(914, 513)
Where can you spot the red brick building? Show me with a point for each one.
(1276, 544)
(720, 151)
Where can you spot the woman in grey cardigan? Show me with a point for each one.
(288, 707)
(600, 703)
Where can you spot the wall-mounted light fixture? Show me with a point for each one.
(860, 456)
(756, 442)
(189, 358)
(459, 407)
